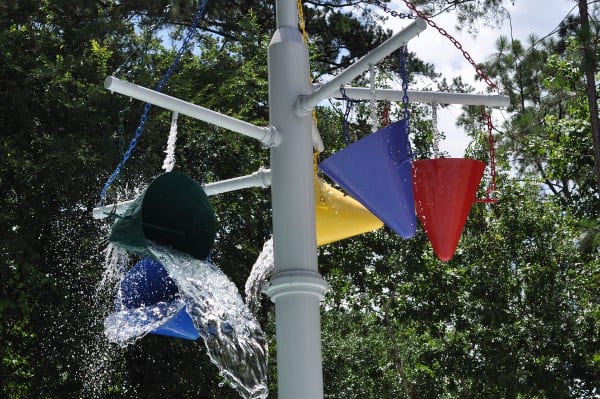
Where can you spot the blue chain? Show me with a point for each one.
(404, 76)
(346, 117)
(147, 106)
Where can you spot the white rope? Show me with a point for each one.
(169, 161)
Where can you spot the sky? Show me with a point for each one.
(528, 16)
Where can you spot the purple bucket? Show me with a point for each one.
(376, 171)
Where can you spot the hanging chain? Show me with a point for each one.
(139, 130)
(456, 43)
(491, 190)
(346, 117)
(404, 77)
(373, 99)
(301, 22)
(435, 145)
(492, 186)
(385, 117)
(393, 13)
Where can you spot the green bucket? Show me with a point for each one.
(173, 211)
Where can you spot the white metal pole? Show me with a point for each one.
(260, 178)
(296, 286)
(266, 135)
(439, 97)
(306, 103)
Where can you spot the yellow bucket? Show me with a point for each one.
(339, 216)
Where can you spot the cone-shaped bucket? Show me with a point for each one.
(148, 284)
(445, 189)
(340, 216)
(376, 171)
(173, 211)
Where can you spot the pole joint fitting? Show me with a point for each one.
(272, 138)
(296, 282)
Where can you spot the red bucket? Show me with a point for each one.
(444, 190)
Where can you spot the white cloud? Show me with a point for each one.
(528, 16)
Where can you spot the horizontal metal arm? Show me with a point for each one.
(260, 178)
(360, 93)
(306, 103)
(267, 135)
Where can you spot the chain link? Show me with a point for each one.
(404, 76)
(147, 106)
(393, 13)
(455, 42)
(385, 118)
(491, 190)
(346, 117)
(301, 22)
(435, 146)
(487, 117)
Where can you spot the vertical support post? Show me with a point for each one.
(296, 287)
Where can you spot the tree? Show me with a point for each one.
(62, 134)
(514, 315)
(589, 66)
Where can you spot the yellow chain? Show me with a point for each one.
(301, 22)
(302, 26)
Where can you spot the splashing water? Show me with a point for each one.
(233, 338)
(261, 271)
(115, 262)
(126, 326)
(98, 355)
(235, 342)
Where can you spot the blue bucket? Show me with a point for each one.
(376, 171)
(148, 283)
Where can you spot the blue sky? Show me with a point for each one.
(528, 16)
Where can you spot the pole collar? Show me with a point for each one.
(272, 137)
(296, 282)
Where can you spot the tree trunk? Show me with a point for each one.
(589, 68)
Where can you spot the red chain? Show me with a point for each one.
(456, 43)
(385, 118)
(492, 186)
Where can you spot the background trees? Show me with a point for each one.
(515, 314)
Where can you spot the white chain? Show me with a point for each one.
(373, 104)
(436, 133)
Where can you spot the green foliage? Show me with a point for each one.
(469, 14)
(502, 319)
(514, 315)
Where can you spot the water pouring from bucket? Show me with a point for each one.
(148, 302)
(175, 291)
